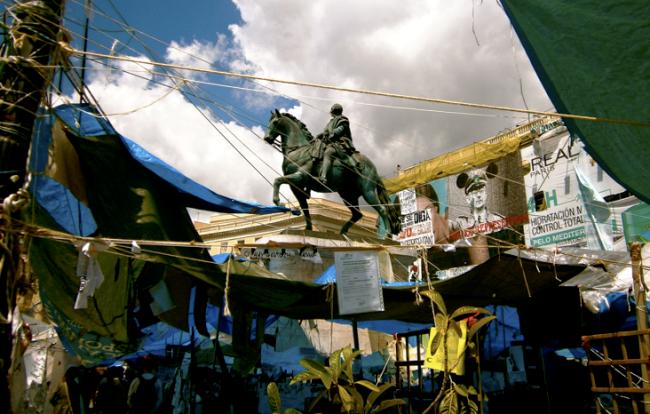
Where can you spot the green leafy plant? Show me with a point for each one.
(455, 398)
(341, 393)
(275, 403)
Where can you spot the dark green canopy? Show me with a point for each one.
(593, 58)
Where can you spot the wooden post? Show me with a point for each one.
(24, 77)
(641, 315)
(356, 364)
(218, 352)
(355, 334)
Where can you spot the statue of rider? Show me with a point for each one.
(338, 139)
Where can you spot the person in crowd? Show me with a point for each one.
(130, 374)
(111, 392)
(145, 393)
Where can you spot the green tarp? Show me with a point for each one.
(126, 201)
(593, 58)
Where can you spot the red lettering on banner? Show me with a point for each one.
(489, 227)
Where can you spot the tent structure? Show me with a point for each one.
(508, 279)
(90, 181)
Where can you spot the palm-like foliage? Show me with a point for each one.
(341, 393)
(454, 398)
(275, 403)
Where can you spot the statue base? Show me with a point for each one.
(309, 268)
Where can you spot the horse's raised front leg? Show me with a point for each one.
(276, 188)
(295, 181)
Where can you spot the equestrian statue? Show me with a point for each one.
(328, 163)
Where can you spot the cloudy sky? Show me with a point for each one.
(462, 50)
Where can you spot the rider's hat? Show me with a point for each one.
(336, 109)
(476, 179)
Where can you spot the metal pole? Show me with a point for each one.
(85, 47)
(641, 315)
(218, 352)
(358, 368)
(192, 373)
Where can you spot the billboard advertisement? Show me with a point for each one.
(455, 213)
(487, 200)
(566, 195)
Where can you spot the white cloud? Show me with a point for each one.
(197, 55)
(164, 122)
(428, 48)
(420, 48)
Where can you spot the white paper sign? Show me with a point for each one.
(407, 201)
(417, 228)
(357, 282)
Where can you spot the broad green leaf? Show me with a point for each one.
(273, 396)
(312, 365)
(386, 404)
(469, 310)
(316, 368)
(449, 403)
(368, 384)
(303, 376)
(348, 359)
(471, 390)
(479, 324)
(461, 390)
(346, 399)
(473, 407)
(316, 400)
(335, 365)
(436, 298)
(376, 394)
(455, 326)
(358, 399)
(435, 343)
(349, 354)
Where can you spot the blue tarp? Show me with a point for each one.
(194, 194)
(329, 276)
(75, 217)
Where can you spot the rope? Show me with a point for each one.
(276, 93)
(42, 232)
(361, 91)
(523, 273)
(226, 291)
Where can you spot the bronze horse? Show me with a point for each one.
(300, 172)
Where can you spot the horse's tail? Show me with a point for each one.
(371, 178)
(393, 208)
